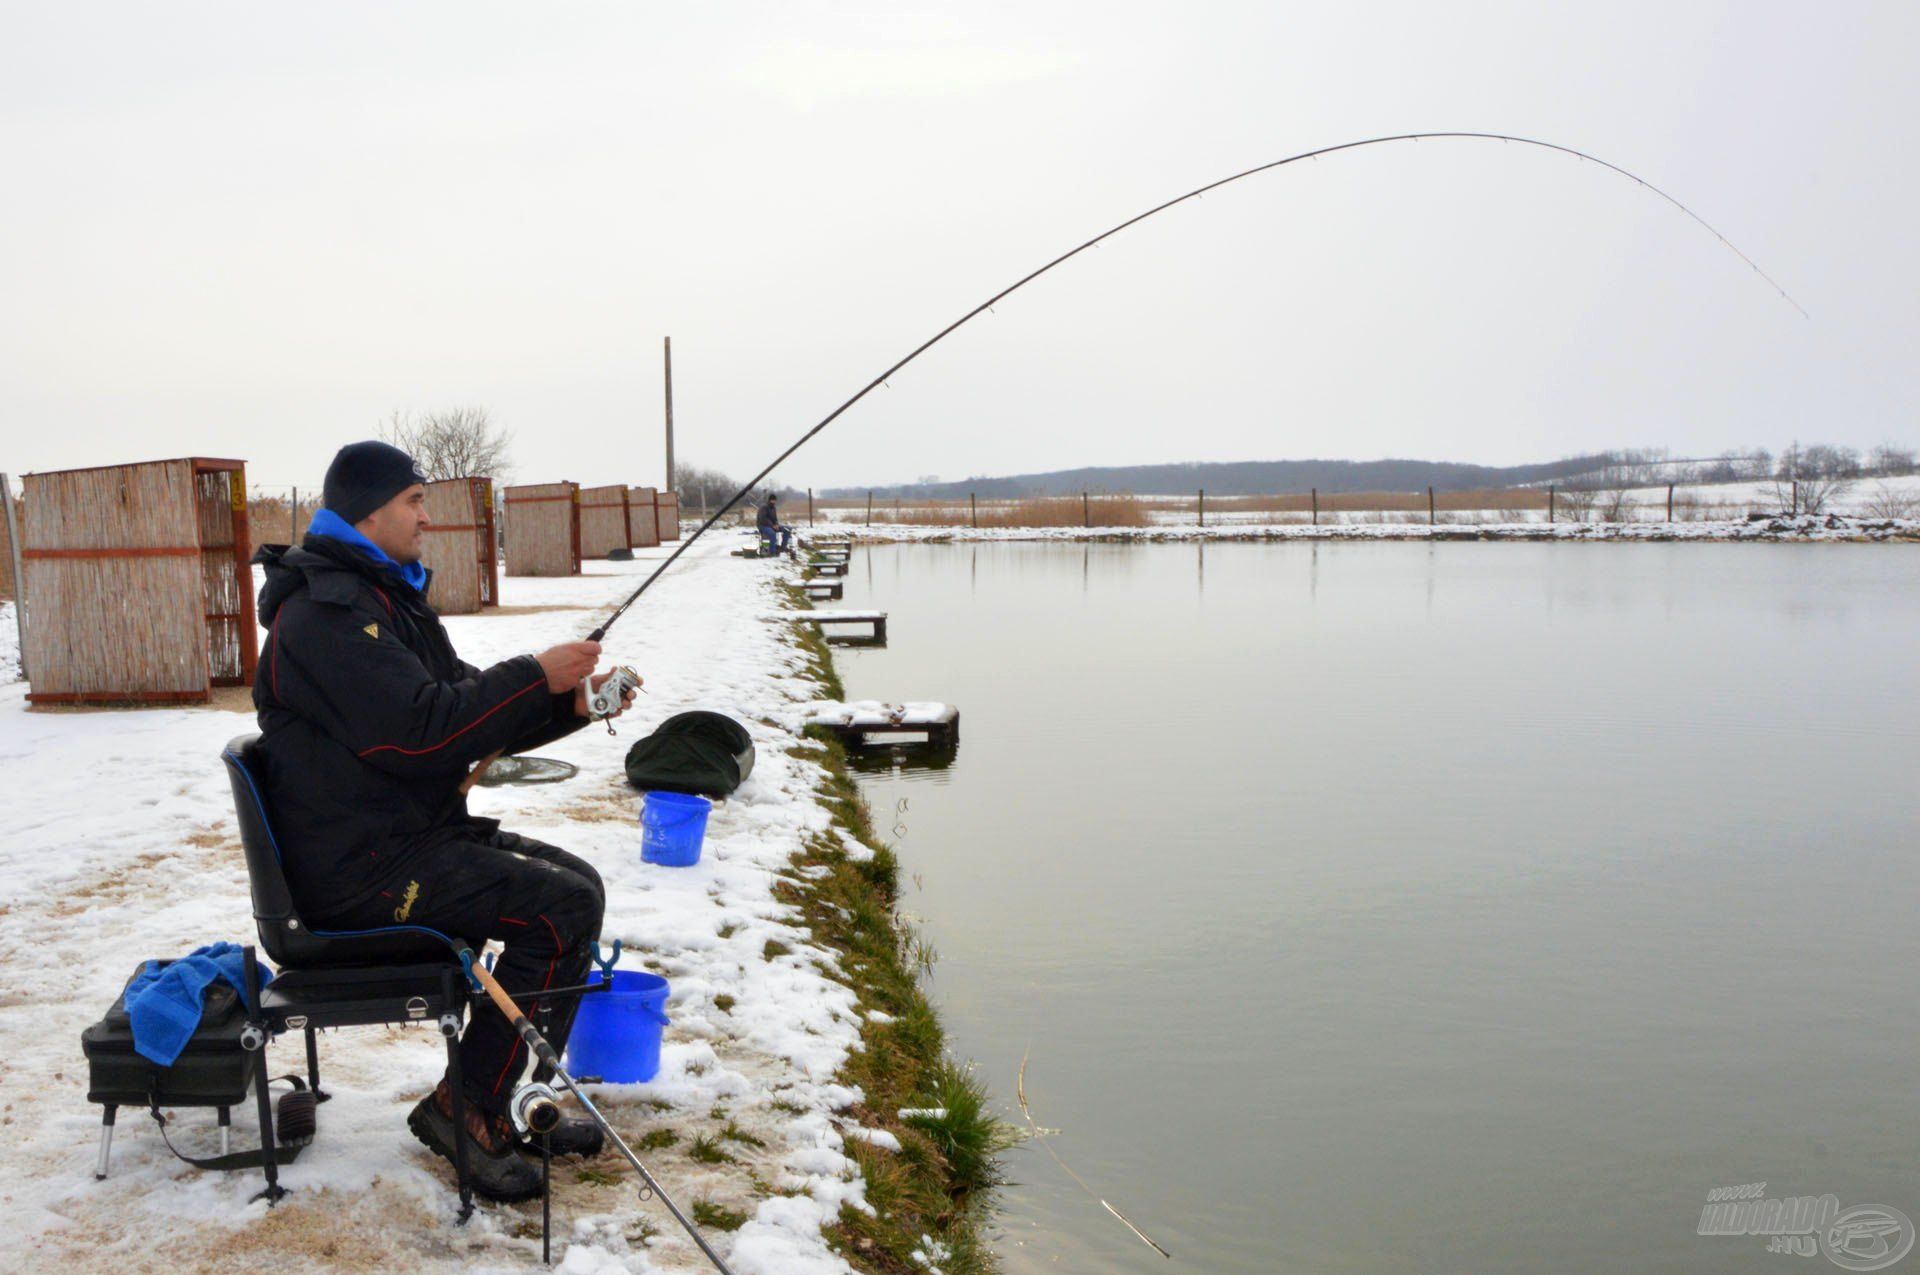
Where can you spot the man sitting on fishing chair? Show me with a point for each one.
(775, 537)
(369, 726)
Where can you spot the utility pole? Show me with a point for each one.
(668, 345)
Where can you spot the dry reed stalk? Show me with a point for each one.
(603, 521)
(1037, 1134)
(543, 529)
(267, 518)
(1381, 501)
(455, 545)
(1045, 511)
(644, 517)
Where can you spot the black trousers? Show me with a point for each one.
(545, 903)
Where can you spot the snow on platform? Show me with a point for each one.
(127, 849)
(857, 721)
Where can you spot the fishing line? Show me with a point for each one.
(1020, 1092)
(601, 631)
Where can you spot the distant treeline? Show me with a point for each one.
(1618, 467)
(1243, 478)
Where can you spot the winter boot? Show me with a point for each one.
(494, 1164)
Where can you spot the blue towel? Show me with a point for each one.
(164, 1004)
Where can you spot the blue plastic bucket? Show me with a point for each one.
(616, 1034)
(672, 826)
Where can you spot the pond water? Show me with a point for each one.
(1457, 907)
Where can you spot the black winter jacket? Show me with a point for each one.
(369, 722)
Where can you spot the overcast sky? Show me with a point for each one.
(255, 230)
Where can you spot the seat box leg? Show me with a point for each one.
(313, 1068)
(226, 1130)
(106, 1141)
(453, 992)
(259, 1024)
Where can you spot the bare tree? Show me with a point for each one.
(701, 488)
(460, 442)
(1810, 488)
(1889, 501)
(1887, 460)
(1575, 504)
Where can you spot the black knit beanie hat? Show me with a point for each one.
(365, 476)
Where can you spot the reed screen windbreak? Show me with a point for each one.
(643, 517)
(458, 547)
(6, 557)
(139, 582)
(603, 521)
(543, 529)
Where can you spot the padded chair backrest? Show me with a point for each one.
(289, 942)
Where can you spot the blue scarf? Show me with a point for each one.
(331, 525)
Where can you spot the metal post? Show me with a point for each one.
(809, 506)
(667, 347)
(1669, 502)
(1316, 506)
(1203, 506)
(1429, 506)
(1086, 511)
(869, 506)
(19, 576)
(973, 506)
(1550, 493)
(293, 519)
(1794, 512)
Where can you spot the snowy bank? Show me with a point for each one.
(122, 846)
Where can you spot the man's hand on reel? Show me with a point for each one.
(594, 697)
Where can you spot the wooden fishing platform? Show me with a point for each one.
(828, 568)
(827, 620)
(824, 591)
(872, 724)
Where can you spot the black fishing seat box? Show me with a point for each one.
(214, 1070)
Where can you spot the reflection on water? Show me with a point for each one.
(1418, 907)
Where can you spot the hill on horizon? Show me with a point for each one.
(1240, 478)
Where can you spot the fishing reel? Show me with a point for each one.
(534, 1109)
(611, 696)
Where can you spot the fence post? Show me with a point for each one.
(1203, 506)
(1669, 502)
(19, 576)
(1550, 492)
(809, 506)
(973, 507)
(1086, 511)
(869, 506)
(1316, 506)
(1430, 506)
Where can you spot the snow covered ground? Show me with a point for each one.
(121, 845)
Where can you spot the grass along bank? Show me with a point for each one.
(930, 1159)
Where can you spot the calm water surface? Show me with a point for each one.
(1403, 907)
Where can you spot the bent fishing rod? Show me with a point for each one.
(601, 631)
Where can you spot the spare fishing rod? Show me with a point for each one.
(534, 1108)
(601, 631)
